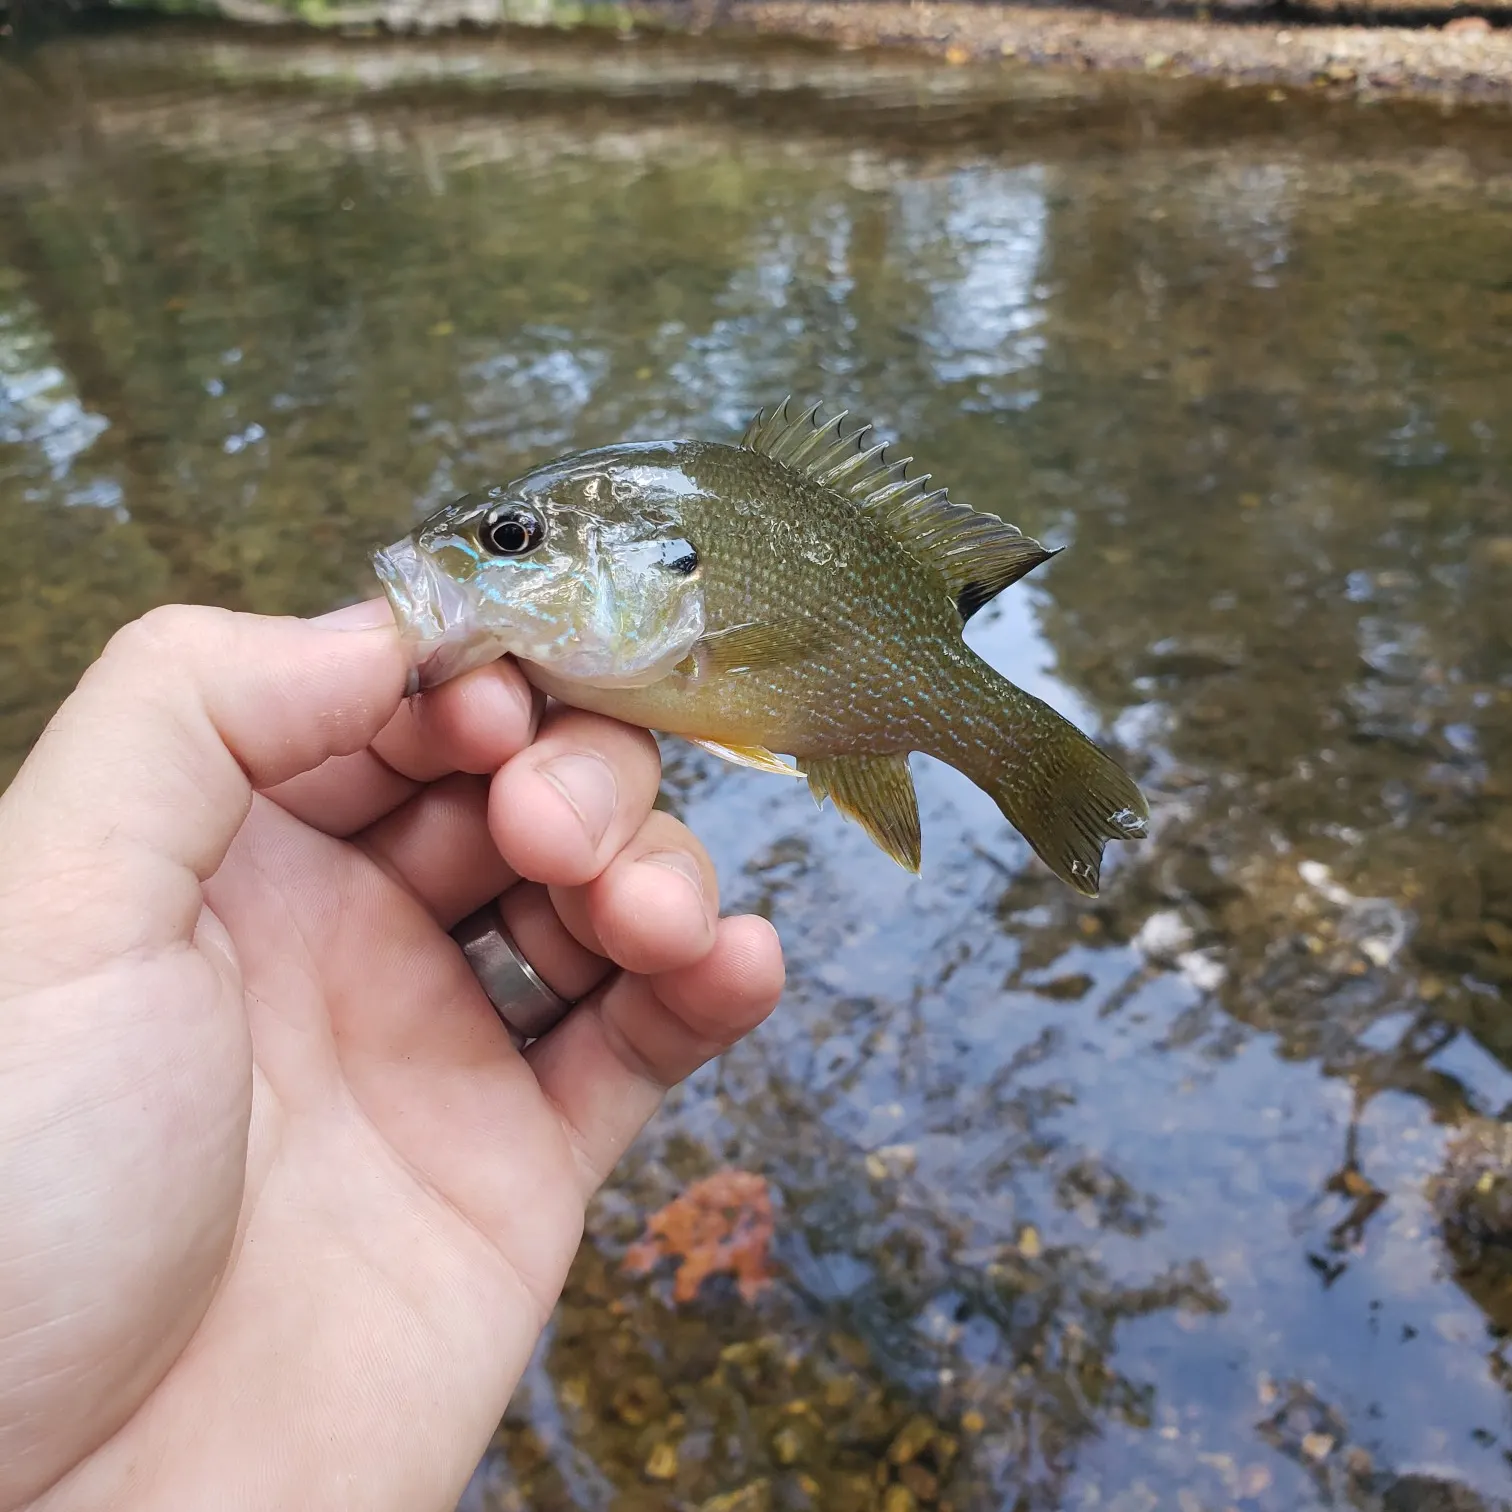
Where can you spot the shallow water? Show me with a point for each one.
(1188, 1198)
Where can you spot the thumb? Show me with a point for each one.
(139, 784)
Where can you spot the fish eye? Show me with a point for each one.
(513, 530)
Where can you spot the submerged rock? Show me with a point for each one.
(1472, 1196)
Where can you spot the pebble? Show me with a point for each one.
(756, 1497)
(787, 1445)
(662, 1464)
(913, 1438)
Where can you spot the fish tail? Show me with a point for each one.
(1058, 790)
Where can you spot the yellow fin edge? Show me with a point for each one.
(757, 757)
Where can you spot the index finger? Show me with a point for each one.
(145, 774)
(474, 723)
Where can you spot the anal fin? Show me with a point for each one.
(747, 756)
(878, 793)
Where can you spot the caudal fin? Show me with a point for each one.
(1058, 790)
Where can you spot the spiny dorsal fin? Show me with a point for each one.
(977, 554)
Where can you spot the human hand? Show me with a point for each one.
(282, 1209)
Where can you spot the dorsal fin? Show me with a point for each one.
(977, 554)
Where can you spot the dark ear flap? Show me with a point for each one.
(678, 555)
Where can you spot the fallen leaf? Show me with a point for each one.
(720, 1225)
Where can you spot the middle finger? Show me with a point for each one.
(563, 808)
(654, 907)
(652, 904)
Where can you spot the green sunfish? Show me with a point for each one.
(796, 595)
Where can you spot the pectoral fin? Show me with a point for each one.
(747, 756)
(878, 793)
(749, 648)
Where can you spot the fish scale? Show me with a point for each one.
(883, 627)
(831, 589)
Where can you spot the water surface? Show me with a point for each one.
(1187, 1198)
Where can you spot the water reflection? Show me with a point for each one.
(975, 241)
(42, 418)
(1189, 1198)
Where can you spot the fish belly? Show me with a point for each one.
(672, 706)
(794, 716)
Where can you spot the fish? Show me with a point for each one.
(794, 603)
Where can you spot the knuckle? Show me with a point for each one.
(166, 632)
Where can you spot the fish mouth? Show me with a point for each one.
(433, 613)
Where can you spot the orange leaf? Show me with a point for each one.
(722, 1224)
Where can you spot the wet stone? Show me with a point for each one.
(662, 1463)
(639, 1400)
(1472, 1197)
(924, 1485)
(787, 1445)
(918, 1433)
(755, 1497)
(1065, 989)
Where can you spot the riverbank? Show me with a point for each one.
(1465, 58)
(1449, 51)
(1444, 50)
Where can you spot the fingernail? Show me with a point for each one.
(528, 700)
(681, 863)
(587, 783)
(367, 615)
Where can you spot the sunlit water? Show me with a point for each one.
(1181, 1199)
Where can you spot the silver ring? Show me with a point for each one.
(527, 1006)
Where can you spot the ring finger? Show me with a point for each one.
(653, 910)
(530, 919)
